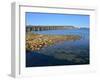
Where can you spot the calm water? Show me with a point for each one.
(64, 53)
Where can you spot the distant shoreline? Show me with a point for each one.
(52, 27)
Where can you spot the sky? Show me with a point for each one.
(33, 18)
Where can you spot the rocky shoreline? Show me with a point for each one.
(35, 42)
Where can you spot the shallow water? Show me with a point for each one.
(63, 53)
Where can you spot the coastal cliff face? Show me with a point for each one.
(41, 28)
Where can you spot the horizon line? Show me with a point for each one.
(59, 25)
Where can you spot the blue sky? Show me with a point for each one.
(57, 19)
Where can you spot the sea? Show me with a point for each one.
(74, 52)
